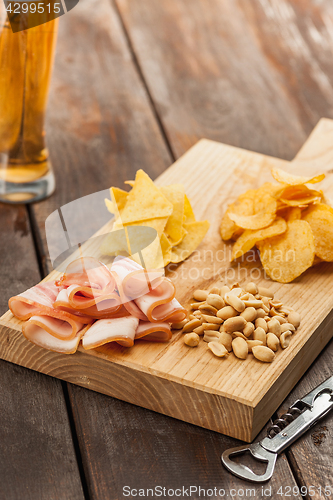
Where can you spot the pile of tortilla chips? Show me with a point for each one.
(165, 209)
(290, 224)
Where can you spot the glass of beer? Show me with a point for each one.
(26, 60)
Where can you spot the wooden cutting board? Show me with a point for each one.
(230, 396)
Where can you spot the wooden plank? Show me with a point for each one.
(36, 448)
(139, 449)
(256, 75)
(201, 377)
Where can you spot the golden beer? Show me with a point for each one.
(26, 60)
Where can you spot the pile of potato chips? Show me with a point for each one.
(165, 209)
(290, 224)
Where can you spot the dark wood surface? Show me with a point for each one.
(135, 85)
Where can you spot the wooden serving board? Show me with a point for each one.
(230, 396)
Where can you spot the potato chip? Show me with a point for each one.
(299, 195)
(145, 201)
(287, 256)
(250, 237)
(196, 232)
(286, 178)
(272, 189)
(244, 206)
(295, 213)
(320, 218)
(260, 219)
(174, 227)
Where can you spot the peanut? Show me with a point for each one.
(280, 319)
(211, 336)
(215, 300)
(194, 323)
(218, 349)
(191, 339)
(225, 289)
(215, 290)
(272, 341)
(226, 312)
(240, 348)
(236, 291)
(260, 334)
(250, 314)
(234, 301)
(206, 308)
(195, 305)
(244, 296)
(212, 319)
(253, 303)
(200, 330)
(178, 326)
(226, 340)
(197, 313)
(294, 318)
(234, 324)
(263, 353)
(287, 326)
(262, 323)
(200, 295)
(238, 334)
(274, 327)
(211, 326)
(260, 313)
(253, 343)
(191, 316)
(251, 288)
(285, 339)
(249, 329)
(265, 292)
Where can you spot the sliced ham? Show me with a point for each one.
(156, 332)
(70, 299)
(90, 274)
(33, 300)
(160, 304)
(34, 331)
(121, 330)
(135, 280)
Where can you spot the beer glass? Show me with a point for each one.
(26, 59)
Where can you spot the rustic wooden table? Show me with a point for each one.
(135, 84)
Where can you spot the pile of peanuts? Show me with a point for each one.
(240, 320)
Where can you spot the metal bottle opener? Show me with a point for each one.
(302, 415)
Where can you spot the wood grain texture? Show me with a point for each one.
(141, 449)
(37, 454)
(250, 389)
(253, 74)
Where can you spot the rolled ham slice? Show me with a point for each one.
(159, 305)
(155, 332)
(34, 332)
(121, 330)
(92, 276)
(70, 299)
(135, 280)
(34, 300)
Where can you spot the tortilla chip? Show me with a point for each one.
(174, 227)
(118, 197)
(188, 211)
(145, 201)
(250, 237)
(166, 249)
(287, 256)
(196, 232)
(286, 178)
